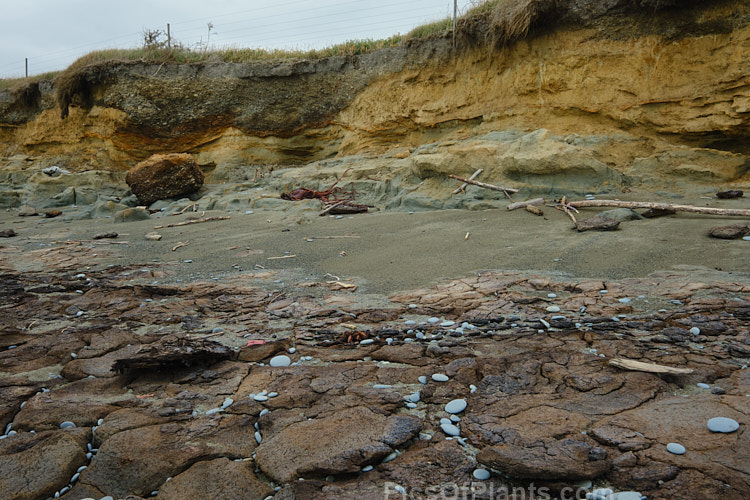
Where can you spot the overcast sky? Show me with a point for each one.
(54, 33)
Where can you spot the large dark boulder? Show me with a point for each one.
(164, 176)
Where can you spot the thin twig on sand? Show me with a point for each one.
(196, 221)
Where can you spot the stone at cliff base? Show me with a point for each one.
(164, 176)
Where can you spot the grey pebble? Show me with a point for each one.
(411, 405)
(279, 361)
(227, 403)
(433, 320)
(481, 474)
(447, 323)
(367, 342)
(695, 330)
(676, 448)
(260, 397)
(553, 309)
(218, 329)
(703, 386)
(258, 437)
(410, 322)
(456, 406)
(382, 386)
(439, 377)
(414, 398)
(722, 424)
(422, 379)
(367, 468)
(450, 429)
(67, 425)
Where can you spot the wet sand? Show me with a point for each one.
(389, 252)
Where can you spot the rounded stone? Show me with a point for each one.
(703, 386)
(440, 377)
(553, 309)
(456, 406)
(695, 330)
(481, 474)
(367, 342)
(67, 425)
(447, 323)
(676, 448)
(433, 320)
(414, 398)
(722, 424)
(260, 397)
(278, 361)
(422, 379)
(450, 429)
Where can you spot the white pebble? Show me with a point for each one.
(422, 379)
(455, 406)
(227, 403)
(273, 394)
(390, 457)
(473, 388)
(624, 300)
(367, 468)
(439, 377)
(553, 309)
(481, 474)
(260, 397)
(703, 386)
(447, 324)
(410, 405)
(279, 361)
(367, 342)
(410, 322)
(263, 412)
(695, 330)
(258, 437)
(414, 398)
(552, 295)
(67, 425)
(382, 386)
(433, 320)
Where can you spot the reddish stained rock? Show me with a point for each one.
(164, 176)
(34, 466)
(218, 478)
(344, 442)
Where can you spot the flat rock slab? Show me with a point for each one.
(340, 443)
(138, 461)
(547, 459)
(219, 478)
(34, 466)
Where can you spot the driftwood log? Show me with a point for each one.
(733, 212)
(527, 203)
(465, 184)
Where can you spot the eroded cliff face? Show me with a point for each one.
(645, 102)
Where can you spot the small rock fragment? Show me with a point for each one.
(597, 223)
(733, 232)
